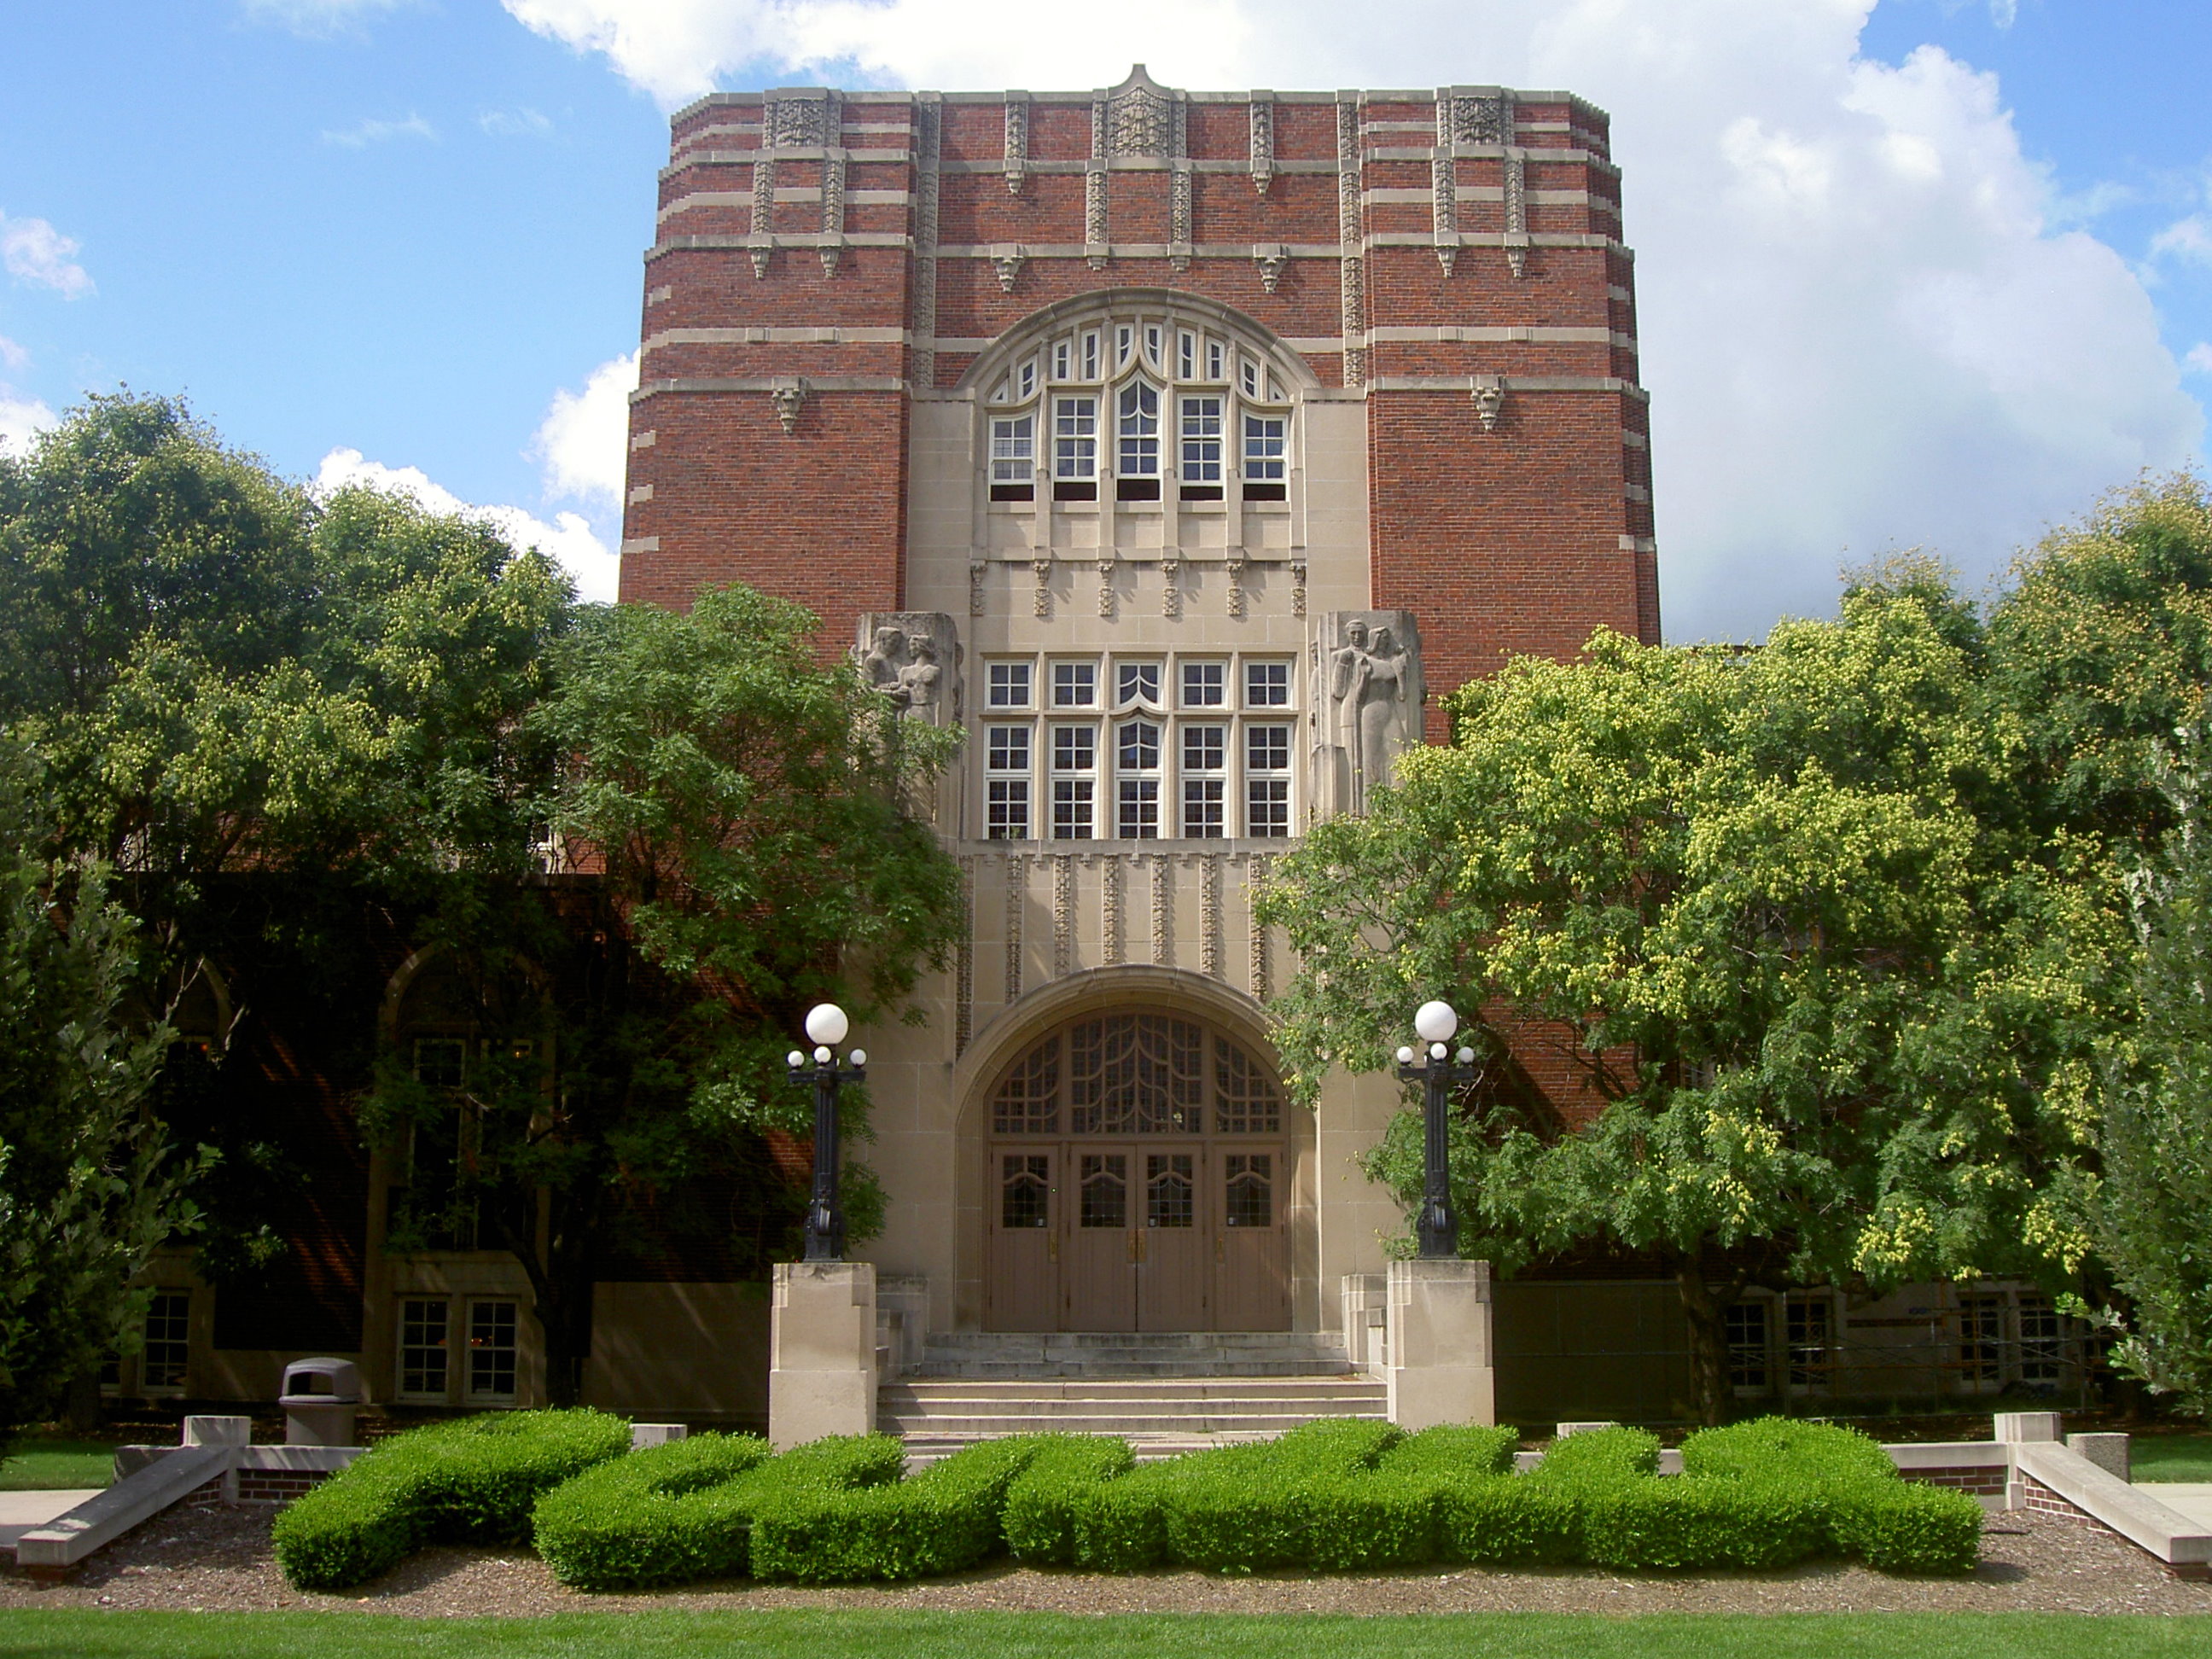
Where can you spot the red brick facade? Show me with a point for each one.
(1454, 257)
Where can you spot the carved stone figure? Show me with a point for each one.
(1367, 702)
(913, 657)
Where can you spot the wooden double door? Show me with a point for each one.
(1173, 1232)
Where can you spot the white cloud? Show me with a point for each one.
(34, 251)
(22, 419)
(1865, 319)
(376, 133)
(316, 18)
(520, 122)
(2004, 13)
(2199, 359)
(2189, 239)
(583, 443)
(11, 355)
(568, 540)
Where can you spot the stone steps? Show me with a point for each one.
(1096, 1355)
(1164, 1415)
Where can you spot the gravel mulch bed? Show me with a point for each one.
(217, 1558)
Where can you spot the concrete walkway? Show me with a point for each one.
(2191, 1498)
(25, 1511)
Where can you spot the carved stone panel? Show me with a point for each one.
(913, 657)
(1366, 702)
(1140, 117)
(800, 120)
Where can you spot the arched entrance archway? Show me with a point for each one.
(1138, 1179)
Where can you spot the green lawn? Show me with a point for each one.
(2170, 1456)
(91, 1635)
(58, 1465)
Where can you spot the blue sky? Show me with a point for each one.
(1932, 273)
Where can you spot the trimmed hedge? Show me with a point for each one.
(687, 1510)
(949, 1516)
(470, 1481)
(1337, 1496)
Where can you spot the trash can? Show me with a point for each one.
(320, 1399)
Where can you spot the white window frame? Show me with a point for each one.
(1269, 785)
(1079, 675)
(1204, 790)
(1191, 672)
(1075, 446)
(154, 1305)
(1013, 456)
(1137, 778)
(1137, 437)
(1004, 678)
(401, 1347)
(1074, 773)
(513, 1323)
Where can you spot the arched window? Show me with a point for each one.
(1139, 1073)
(1148, 387)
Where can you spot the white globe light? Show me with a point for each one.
(1435, 1021)
(822, 1056)
(826, 1023)
(860, 1058)
(1405, 1056)
(794, 1059)
(1437, 1051)
(1465, 1056)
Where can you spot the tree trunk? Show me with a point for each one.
(1706, 1307)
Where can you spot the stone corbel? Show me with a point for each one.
(978, 569)
(1042, 568)
(1171, 593)
(1263, 141)
(1489, 394)
(1106, 588)
(1235, 596)
(1516, 252)
(1007, 259)
(832, 252)
(788, 397)
(1298, 588)
(761, 247)
(1272, 260)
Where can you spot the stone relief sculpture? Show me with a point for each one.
(913, 657)
(1366, 703)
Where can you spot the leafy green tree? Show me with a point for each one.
(87, 1193)
(1779, 914)
(745, 814)
(2153, 1205)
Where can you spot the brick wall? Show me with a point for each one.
(846, 240)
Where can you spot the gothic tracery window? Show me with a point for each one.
(1141, 1074)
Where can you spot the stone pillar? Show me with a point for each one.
(1440, 1367)
(2018, 1429)
(822, 1352)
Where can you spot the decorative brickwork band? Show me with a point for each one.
(927, 116)
(1353, 276)
(1263, 145)
(1018, 141)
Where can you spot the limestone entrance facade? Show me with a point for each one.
(1140, 1181)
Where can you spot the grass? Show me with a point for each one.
(83, 1634)
(58, 1465)
(2170, 1456)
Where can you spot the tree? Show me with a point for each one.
(743, 812)
(1781, 913)
(86, 1192)
(2153, 1207)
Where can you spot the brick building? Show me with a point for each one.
(1177, 447)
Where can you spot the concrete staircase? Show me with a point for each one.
(1166, 1394)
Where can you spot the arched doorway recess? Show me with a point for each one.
(1138, 1180)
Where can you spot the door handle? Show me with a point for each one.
(1136, 1246)
(1052, 1247)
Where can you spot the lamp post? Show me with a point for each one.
(1438, 1070)
(826, 1026)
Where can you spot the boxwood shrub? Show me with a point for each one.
(685, 1510)
(471, 1480)
(949, 1516)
